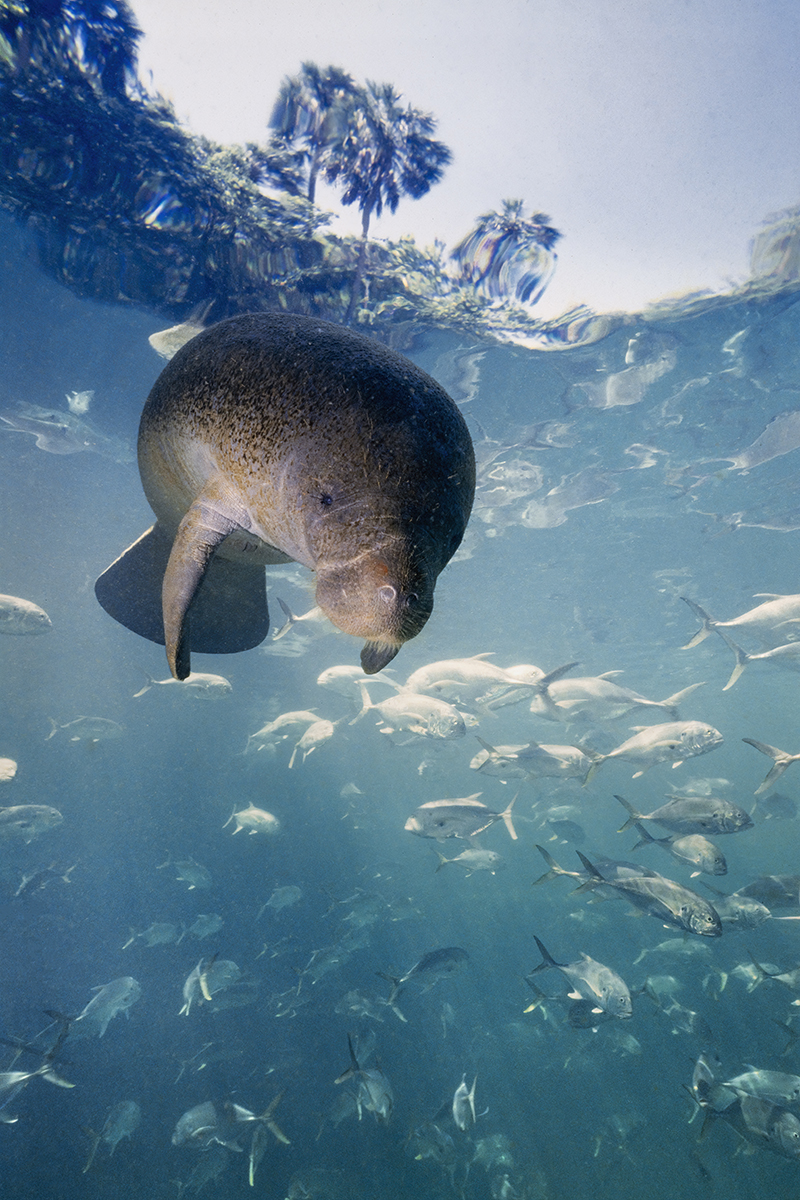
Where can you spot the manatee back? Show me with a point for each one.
(256, 387)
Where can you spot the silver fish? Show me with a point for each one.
(672, 742)
(691, 814)
(591, 980)
(408, 712)
(283, 897)
(110, 998)
(661, 898)
(374, 1092)
(775, 1086)
(27, 821)
(209, 977)
(473, 859)
(771, 622)
(464, 818)
(205, 925)
(473, 682)
(160, 933)
(269, 736)
(122, 1122)
(534, 761)
(197, 685)
(598, 698)
(21, 618)
(254, 820)
(464, 1105)
(193, 873)
(87, 729)
(690, 848)
(431, 967)
(313, 737)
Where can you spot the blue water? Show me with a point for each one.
(603, 1112)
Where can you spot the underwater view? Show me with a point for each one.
(510, 912)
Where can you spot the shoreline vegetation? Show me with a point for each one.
(128, 207)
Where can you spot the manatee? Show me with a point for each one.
(271, 438)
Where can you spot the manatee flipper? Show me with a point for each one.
(229, 612)
(206, 525)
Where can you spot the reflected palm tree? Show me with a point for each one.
(509, 255)
(98, 38)
(386, 152)
(312, 108)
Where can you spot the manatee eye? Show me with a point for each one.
(326, 500)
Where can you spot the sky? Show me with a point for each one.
(657, 134)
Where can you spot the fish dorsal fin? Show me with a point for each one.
(610, 674)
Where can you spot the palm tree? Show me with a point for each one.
(508, 254)
(312, 108)
(385, 153)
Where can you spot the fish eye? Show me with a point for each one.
(326, 500)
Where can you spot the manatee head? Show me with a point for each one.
(380, 529)
(384, 597)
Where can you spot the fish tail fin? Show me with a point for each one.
(671, 703)
(54, 729)
(540, 688)
(93, 1150)
(471, 1098)
(597, 761)
(763, 973)
(632, 819)
(547, 959)
(781, 758)
(442, 861)
(741, 656)
(648, 990)
(596, 877)
(366, 703)
(539, 994)
(47, 1072)
(396, 984)
(486, 745)
(291, 620)
(645, 838)
(706, 628)
(554, 871)
(150, 683)
(506, 815)
(272, 1126)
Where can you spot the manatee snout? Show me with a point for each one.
(384, 605)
